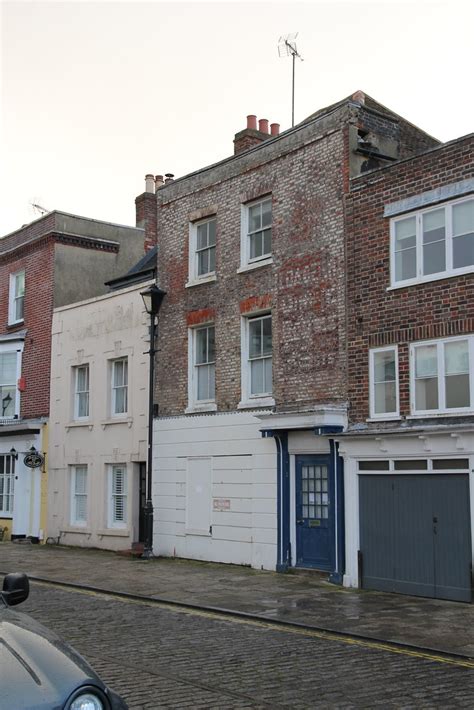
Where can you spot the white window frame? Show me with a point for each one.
(195, 404)
(372, 383)
(246, 262)
(115, 387)
(16, 348)
(450, 271)
(112, 522)
(194, 278)
(7, 486)
(77, 392)
(13, 298)
(75, 495)
(264, 399)
(442, 409)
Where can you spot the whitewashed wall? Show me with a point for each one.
(215, 472)
(94, 332)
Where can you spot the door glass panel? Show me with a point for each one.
(314, 494)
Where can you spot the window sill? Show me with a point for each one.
(201, 533)
(203, 280)
(197, 408)
(256, 403)
(388, 418)
(6, 516)
(429, 279)
(441, 415)
(114, 532)
(75, 425)
(117, 420)
(83, 530)
(15, 323)
(255, 265)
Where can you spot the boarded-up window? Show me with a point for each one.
(118, 496)
(198, 496)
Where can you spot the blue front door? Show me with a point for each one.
(314, 512)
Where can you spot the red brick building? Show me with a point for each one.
(252, 365)
(409, 447)
(55, 260)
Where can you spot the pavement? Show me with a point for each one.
(301, 598)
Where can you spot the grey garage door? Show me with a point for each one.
(415, 534)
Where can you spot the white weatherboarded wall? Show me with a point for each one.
(215, 490)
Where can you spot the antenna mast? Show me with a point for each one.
(287, 46)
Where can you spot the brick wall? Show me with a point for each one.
(377, 317)
(303, 287)
(37, 260)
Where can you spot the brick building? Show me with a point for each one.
(53, 261)
(252, 369)
(409, 447)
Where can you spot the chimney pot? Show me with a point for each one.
(169, 177)
(275, 129)
(252, 122)
(158, 181)
(263, 125)
(149, 183)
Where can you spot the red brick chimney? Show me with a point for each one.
(251, 135)
(146, 211)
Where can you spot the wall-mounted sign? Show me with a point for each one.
(33, 459)
(221, 504)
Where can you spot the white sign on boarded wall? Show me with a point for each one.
(198, 496)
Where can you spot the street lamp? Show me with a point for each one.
(152, 298)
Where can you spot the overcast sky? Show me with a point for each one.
(96, 94)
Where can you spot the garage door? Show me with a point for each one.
(415, 535)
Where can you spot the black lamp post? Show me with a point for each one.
(152, 298)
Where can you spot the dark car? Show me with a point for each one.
(39, 671)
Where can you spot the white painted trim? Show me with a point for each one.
(245, 261)
(449, 271)
(321, 416)
(384, 415)
(255, 265)
(442, 409)
(294, 551)
(11, 298)
(194, 404)
(247, 399)
(193, 277)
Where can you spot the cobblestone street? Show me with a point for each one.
(161, 658)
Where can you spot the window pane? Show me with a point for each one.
(203, 382)
(426, 364)
(81, 480)
(212, 259)
(433, 226)
(405, 233)
(411, 465)
(255, 338)
(212, 382)
(445, 464)
(379, 465)
(385, 398)
(457, 391)
(211, 344)
(426, 393)
(7, 368)
(256, 245)
(268, 374)
(255, 221)
(266, 213)
(120, 400)
(267, 336)
(82, 379)
(463, 251)
(202, 236)
(203, 262)
(20, 284)
(7, 394)
(201, 346)
(434, 258)
(83, 404)
(456, 357)
(257, 377)
(19, 302)
(267, 241)
(463, 218)
(405, 264)
(384, 366)
(212, 232)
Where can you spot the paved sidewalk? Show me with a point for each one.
(302, 598)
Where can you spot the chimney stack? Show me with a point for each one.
(149, 183)
(252, 136)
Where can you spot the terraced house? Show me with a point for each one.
(55, 260)
(409, 447)
(252, 382)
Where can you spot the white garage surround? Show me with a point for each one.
(430, 444)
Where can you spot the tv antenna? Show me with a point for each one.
(38, 208)
(287, 47)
